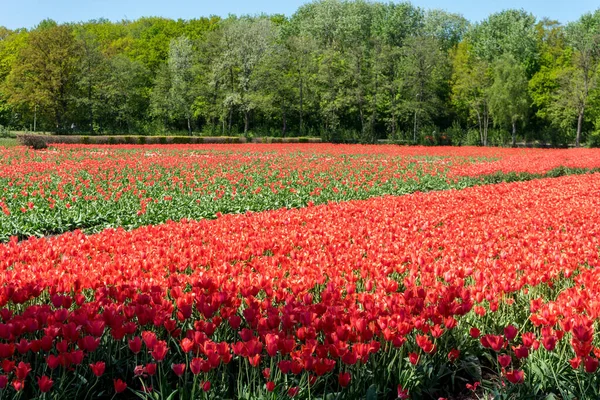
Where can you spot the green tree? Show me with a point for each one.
(581, 80)
(46, 72)
(246, 41)
(11, 43)
(554, 58)
(181, 66)
(124, 95)
(394, 22)
(92, 74)
(471, 81)
(508, 95)
(160, 99)
(211, 82)
(448, 28)
(425, 69)
(509, 31)
(302, 69)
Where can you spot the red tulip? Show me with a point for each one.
(150, 369)
(510, 332)
(549, 342)
(187, 345)
(150, 339)
(413, 358)
(135, 345)
(521, 352)
(196, 365)
(52, 361)
(7, 366)
(88, 343)
(45, 383)
(453, 355)
(402, 393)
(504, 360)
(98, 368)
(160, 350)
(23, 369)
(515, 376)
(119, 385)
(179, 369)
(344, 379)
(591, 365)
(266, 373)
(18, 385)
(494, 342)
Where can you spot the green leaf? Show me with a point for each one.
(372, 393)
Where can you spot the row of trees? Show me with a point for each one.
(344, 70)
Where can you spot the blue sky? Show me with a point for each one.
(27, 13)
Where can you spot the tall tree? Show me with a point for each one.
(584, 37)
(509, 100)
(509, 31)
(425, 69)
(92, 74)
(11, 43)
(471, 81)
(302, 56)
(447, 27)
(46, 72)
(554, 59)
(125, 95)
(246, 41)
(160, 99)
(211, 82)
(181, 66)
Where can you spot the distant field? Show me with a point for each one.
(70, 187)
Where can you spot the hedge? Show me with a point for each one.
(42, 141)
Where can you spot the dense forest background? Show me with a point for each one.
(343, 70)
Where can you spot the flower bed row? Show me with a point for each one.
(491, 289)
(96, 187)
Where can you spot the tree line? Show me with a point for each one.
(354, 71)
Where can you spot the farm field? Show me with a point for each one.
(93, 188)
(308, 272)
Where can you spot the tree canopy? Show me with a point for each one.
(345, 70)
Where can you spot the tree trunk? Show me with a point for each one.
(189, 124)
(579, 126)
(373, 137)
(230, 106)
(479, 125)
(230, 120)
(283, 117)
(301, 107)
(415, 129)
(486, 122)
(91, 108)
(514, 134)
(246, 121)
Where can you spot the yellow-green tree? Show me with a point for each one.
(44, 75)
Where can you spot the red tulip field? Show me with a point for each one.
(299, 271)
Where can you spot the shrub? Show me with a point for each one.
(36, 142)
(4, 132)
(594, 139)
